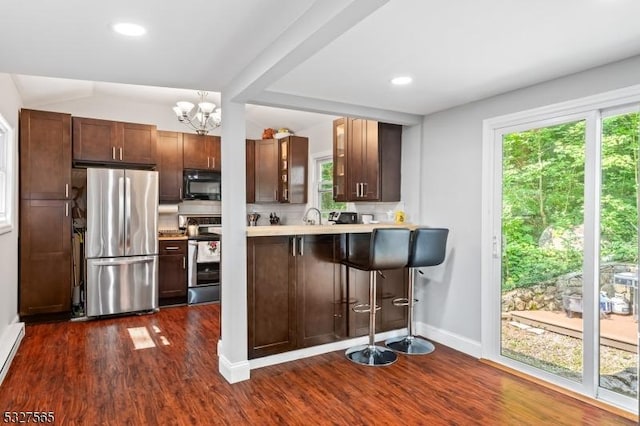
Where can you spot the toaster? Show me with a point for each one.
(343, 217)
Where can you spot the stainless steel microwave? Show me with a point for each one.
(201, 185)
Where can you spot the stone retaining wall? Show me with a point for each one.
(547, 296)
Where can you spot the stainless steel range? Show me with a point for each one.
(203, 258)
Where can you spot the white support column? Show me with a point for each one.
(232, 347)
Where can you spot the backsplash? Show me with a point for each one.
(292, 214)
(289, 214)
(378, 210)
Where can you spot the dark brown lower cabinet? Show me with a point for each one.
(172, 272)
(45, 257)
(271, 295)
(299, 295)
(320, 291)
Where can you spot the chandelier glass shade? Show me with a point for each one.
(201, 119)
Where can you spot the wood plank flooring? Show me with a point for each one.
(89, 373)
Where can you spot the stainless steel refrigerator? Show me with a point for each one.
(121, 244)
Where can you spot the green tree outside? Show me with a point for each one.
(543, 199)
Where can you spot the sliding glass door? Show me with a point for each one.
(560, 247)
(618, 277)
(542, 247)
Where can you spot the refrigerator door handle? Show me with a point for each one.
(121, 215)
(127, 217)
(120, 261)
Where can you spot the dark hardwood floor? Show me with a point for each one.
(90, 373)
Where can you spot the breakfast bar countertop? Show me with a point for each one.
(356, 228)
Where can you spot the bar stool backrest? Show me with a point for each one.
(428, 247)
(389, 248)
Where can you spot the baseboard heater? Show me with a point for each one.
(9, 343)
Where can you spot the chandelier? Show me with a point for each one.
(203, 119)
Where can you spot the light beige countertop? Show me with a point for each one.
(182, 237)
(359, 228)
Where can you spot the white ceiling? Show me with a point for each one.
(324, 55)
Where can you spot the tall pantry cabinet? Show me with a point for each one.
(45, 216)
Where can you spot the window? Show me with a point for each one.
(6, 174)
(324, 179)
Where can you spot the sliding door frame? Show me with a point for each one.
(591, 109)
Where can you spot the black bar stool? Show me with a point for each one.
(388, 249)
(428, 247)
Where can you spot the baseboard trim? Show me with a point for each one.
(9, 343)
(580, 397)
(320, 349)
(452, 340)
(233, 372)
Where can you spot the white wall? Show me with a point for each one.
(320, 136)
(10, 104)
(451, 190)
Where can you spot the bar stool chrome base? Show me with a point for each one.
(410, 345)
(375, 356)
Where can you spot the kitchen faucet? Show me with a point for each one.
(309, 221)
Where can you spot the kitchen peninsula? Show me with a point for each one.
(354, 228)
(300, 295)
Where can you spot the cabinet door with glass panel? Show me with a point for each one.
(293, 158)
(339, 160)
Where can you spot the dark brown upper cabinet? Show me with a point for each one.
(280, 170)
(266, 171)
(45, 155)
(250, 171)
(293, 166)
(105, 141)
(170, 166)
(366, 160)
(202, 152)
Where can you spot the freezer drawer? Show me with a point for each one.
(121, 284)
(204, 294)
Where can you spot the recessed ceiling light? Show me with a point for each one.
(402, 80)
(129, 29)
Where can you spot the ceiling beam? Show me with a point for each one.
(283, 100)
(322, 23)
